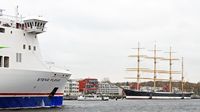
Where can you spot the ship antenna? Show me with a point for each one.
(1, 12)
(21, 18)
(16, 13)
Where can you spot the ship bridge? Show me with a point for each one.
(35, 25)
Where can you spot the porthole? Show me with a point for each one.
(29, 47)
(24, 46)
(34, 48)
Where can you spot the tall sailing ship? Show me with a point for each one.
(26, 81)
(154, 94)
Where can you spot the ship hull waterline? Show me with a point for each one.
(133, 94)
(31, 89)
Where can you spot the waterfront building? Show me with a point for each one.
(88, 85)
(72, 88)
(108, 89)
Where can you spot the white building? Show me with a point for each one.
(72, 88)
(108, 89)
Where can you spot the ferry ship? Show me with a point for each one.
(154, 94)
(26, 81)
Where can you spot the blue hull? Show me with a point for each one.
(30, 102)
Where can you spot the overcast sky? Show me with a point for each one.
(93, 38)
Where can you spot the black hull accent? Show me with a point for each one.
(133, 94)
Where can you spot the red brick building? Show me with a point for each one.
(88, 85)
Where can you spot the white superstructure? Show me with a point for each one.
(25, 80)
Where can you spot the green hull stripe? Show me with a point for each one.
(1, 47)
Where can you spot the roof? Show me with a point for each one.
(35, 18)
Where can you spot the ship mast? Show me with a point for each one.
(138, 56)
(182, 77)
(155, 70)
(138, 66)
(170, 68)
(155, 65)
(155, 61)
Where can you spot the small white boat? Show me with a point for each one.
(92, 98)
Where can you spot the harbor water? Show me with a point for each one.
(123, 106)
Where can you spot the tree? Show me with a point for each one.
(105, 79)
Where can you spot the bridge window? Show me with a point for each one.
(6, 61)
(18, 25)
(23, 26)
(31, 25)
(2, 30)
(38, 24)
(1, 61)
(24, 46)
